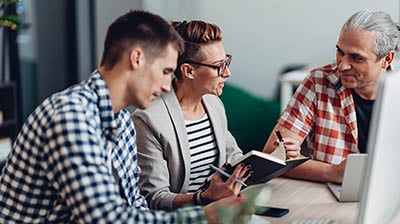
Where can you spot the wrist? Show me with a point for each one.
(198, 198)
(335, 174)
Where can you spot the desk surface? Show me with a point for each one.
(309, 200)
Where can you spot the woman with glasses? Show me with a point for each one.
(185, 131)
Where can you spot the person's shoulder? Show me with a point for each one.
(154, 107)
(324, 74)
(157, 108)
(58, 107)
(324, 70)
(73, 98)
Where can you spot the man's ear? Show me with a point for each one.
(187, 70)
(388, 59)
(136, 58)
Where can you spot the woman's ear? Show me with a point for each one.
(187, 70)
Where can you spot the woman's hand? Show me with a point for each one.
(221, 189)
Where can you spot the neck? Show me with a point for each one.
(368, 93)
(189, 100)
(369, 90)
(114, 82)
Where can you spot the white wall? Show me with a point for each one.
(106, 12)
(27, 37)
(264, 36)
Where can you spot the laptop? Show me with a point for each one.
(350, 189)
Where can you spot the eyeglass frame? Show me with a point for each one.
(220, 68)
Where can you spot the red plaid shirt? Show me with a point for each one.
(323, 110)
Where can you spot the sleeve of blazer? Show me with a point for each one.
(154, 178)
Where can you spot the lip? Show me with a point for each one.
(156, 95)
(347, 75)
(348, 78)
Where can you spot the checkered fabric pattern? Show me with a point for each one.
(57, 171)
(323, 111)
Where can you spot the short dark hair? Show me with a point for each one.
(139, 28)
(195, 33)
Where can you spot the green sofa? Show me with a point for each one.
(250, 118)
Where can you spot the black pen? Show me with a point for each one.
(279, 135)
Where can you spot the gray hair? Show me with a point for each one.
(387, 34)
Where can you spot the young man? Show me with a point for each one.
(75, 159)
(332, 106)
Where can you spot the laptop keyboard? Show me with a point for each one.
(316, 221)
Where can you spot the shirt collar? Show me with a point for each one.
(333, 77)
(107, 117)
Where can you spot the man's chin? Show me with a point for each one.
(348, 84)
(142, 106)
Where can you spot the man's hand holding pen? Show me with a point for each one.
(292, 146)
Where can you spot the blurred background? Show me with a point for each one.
(61, 41)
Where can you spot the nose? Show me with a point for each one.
(226, 73)
(343, 63)
(166, 84)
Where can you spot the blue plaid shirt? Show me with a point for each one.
(57, 171)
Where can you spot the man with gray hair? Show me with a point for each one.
(332, 108)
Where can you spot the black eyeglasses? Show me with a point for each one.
(220, 68)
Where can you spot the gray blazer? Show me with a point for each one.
(163, 147)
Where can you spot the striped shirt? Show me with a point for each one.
(203, 151)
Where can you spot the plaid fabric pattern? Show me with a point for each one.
(57, 171)
(323, 111)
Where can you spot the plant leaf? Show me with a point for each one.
(11, 21)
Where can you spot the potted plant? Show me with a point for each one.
(8, 19)
(9, 25)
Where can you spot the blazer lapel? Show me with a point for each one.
(178, 122)
(218, 128)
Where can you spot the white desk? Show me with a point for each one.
(309, 200)
(288, 81)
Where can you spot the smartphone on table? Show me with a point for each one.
(271, 211)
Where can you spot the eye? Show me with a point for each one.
(340, 52)
(357, 58)
(168, 71)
